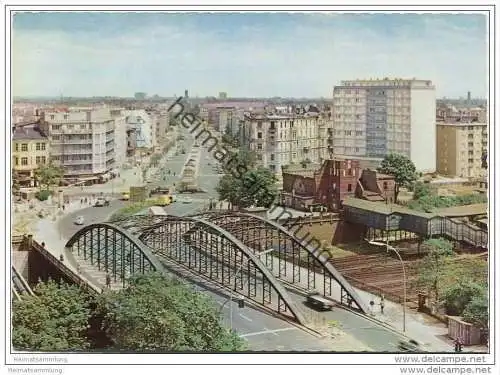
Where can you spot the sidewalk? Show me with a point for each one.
(425, 329)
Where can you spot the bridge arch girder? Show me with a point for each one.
(114, 251)
(219, 256)
(243, 225)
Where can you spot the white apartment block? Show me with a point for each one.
(82, 141)
(120, 136)
(283, 139)
(376, 117)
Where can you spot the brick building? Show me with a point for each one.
(327, 186)
(375, 186)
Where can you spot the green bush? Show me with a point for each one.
(428, 203)
(457, 297)
(476, 311)
(43, 195)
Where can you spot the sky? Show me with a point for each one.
(243, 54)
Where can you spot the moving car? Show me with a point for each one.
(409, 346)
(79, 220)
(125, 196)
(317, 301)
(100, 202)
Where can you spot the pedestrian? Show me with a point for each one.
(460, 344)
(43, 245)
(78, 269)
(61, 258)
(108, 281)
(64, 207)
(457, 345)
(382, 304)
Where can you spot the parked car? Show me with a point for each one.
(187, 200)
(79, 220)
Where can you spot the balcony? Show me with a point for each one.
(77, 162)
(71, 142)
(69, 151)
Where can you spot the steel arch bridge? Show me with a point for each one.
(139, 244)
(294, 261)
(114, 251)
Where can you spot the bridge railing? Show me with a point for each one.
(75, 279)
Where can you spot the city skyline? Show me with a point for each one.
(246, 55)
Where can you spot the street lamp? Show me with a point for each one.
(389, 247)
(241, 300)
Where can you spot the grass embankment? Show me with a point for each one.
(133, 208)
(430, 203)
(324, 234)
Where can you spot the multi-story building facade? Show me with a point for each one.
(283, 139)
(82, 141)
(144, 127)
(373, 118)
(30, 149)
(121, 136)
(460, 147)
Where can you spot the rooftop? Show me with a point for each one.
(468, 210)
(28, 132)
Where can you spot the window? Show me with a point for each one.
(357, 149)
(17, 160)
(42, 146)
(56, 127)
(24, 161)
(349, 187)
(259, 157)
(24, 147)
(38, 146)
(259, 135)
(259, 146)
(272, 156)
(65, 117)
(38, 160)
(17, 147)
(347, 132)
(385, 185)
(82, 126)
(359, 132)
(52, 117)
(44, 160)
(55, 137)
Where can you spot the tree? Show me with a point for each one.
(244, 159)
(158, 313)
(401, 168)
(49, 175)
(255, 188)
(432, 270)
(55, 319)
